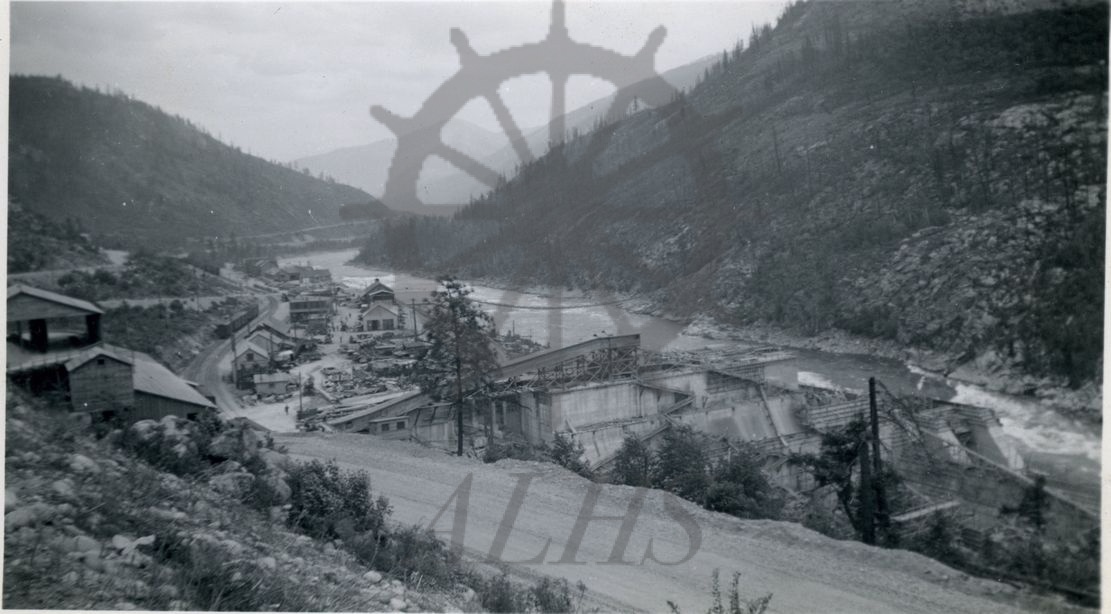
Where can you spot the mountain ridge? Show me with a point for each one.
(134, 174)
(834, 175)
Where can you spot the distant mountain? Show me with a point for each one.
(367, 166)
(135, 175)
(925, 172)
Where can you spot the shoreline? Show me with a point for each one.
(987, 371)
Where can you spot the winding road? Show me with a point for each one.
(205, 368)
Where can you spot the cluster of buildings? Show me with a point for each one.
(55, 350)
(604, 390)
(267, 268)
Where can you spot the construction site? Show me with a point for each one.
(953, 458)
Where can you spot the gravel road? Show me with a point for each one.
(805, 571)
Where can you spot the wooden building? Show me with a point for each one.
(378, 292)
(42, 321)
(271, 383)
(304, 308)
(110, 381)
(380, 317)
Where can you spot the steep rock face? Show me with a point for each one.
(127, 170)
(807, 181)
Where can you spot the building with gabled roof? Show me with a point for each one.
(271, 383)
(378, 292)
(380, 317)
(41, 322)
(54, 349)
(110, 381)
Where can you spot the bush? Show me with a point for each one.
(633, 464)
(549, 595)
(737, 605)
(515, 448)
(500, 594)
(410, 552)
(327, 501)
(740, 488)
(568, 453)
(181, 455)
(680, 466)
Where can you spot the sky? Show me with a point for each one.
(289, 80)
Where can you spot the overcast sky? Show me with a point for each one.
(287, 80)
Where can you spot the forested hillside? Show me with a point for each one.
(134, 175)
(901, 170)
(36, 243)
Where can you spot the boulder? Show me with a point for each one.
(373, 577)
(236, 443)
(64, 488)
(281, 489)
(397, 605)
(83, 464)
(275, 461)
(232, 484)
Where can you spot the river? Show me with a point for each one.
(1050, 442)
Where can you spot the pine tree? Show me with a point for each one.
(461, 359)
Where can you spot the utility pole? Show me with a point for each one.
(234, 367)
(867, 508)
(877, 468)
(413, 310)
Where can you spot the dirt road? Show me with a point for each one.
(805, 571)
(208, 366)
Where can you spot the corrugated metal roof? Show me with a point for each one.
(53, 297)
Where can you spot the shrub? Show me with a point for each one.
(500, 594)
(568, 453)
(740, 488)
(549, 595)
(410, 552)
(179, 455)
(327, 501)
(515, 448)
(632, 465)
(737, 605)
(680, 466)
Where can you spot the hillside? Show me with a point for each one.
(181, 515)
(900, 170)
(133, 174)
(36, 243)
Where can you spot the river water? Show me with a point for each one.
(1049, 440)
